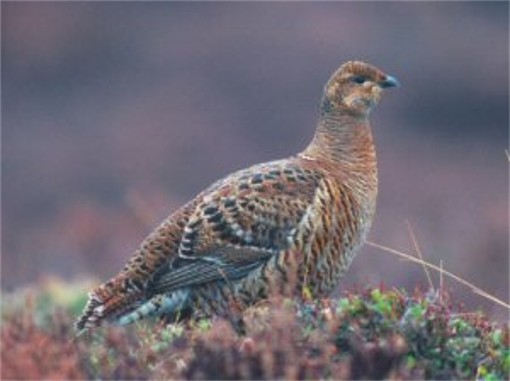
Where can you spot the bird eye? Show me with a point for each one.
(359, 79)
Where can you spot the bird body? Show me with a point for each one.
(297, 221)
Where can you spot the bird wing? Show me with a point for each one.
(222, 266)
(240, 223)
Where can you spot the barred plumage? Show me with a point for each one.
(297, 221)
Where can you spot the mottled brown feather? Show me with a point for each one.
(302, 217)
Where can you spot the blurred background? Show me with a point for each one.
(114, 114)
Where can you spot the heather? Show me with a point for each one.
(368, 332)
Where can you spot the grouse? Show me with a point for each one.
(297, 221)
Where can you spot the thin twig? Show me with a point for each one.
(418, 251)
(475, 289)
(441, 280)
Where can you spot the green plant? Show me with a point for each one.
(368, 333)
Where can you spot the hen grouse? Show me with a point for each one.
(294, 222)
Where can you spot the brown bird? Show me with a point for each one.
(301, 218)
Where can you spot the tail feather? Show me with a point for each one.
(156, 306)
(107, 302)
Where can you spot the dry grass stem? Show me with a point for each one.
(418, 251)
(441, 279)
(475, 289)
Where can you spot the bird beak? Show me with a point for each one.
(389, 81)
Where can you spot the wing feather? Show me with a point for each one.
(197, 271)
(240, 223)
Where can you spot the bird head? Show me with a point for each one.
(355, 88)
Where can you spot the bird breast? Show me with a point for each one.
(329, 235)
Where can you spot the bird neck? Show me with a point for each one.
(342, 138)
